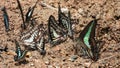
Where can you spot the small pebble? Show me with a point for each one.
(31, 64)
(80, 10)
(47, 62)
(73, 58)
(50, 66)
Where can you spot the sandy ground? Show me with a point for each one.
(108, 31)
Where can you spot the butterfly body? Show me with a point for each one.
(35, 39)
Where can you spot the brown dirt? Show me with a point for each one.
(58, 56)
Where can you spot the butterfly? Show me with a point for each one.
(30, 12)
(6, 19)
(28, 38)
(20, 53)
(34, 39)
(86, 42)
(28, 15)
(55, 33)
(65, 22)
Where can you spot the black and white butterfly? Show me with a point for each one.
(65, 22)
(56, 34)
(34, 39)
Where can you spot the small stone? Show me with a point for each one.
(50, 66)
(80, 10)
(10, 52)
(73, 58)
(47, 62)
(57, 66)
(31, 64)
(28, 54)
(63, 59)
(65, 10)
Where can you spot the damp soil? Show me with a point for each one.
(107, 32)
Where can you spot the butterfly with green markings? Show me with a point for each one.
(55, 33)
(86, 43)
(20, 53)
(6, 19)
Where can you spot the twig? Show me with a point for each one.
(22, 15)
(106, 58)
(50, 7)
